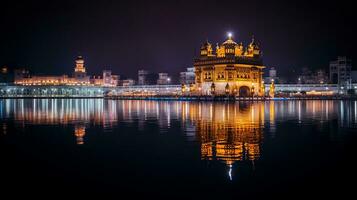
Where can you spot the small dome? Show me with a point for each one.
(206, 45)
(80, 59)
(229, 41)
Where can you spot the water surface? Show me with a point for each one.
(85, 147)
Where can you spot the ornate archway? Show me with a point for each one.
(244, 91)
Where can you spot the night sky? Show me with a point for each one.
(46, 36)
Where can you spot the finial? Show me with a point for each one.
(230, 35)
(252, 38)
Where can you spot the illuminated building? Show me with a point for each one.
(146, 77)
(80, 77)
(231, 69)
(110, 80)
(163, 79)
(127, 82)
(142, 77)
(188, 77)
(272, 76)
(22, 77)
(96, 81)
(340, 71)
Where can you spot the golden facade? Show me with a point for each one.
(230, 70)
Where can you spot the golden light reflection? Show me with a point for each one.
(108, 113)
(80, 132)
(226, 132)
(229, 132)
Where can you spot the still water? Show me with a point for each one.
(169, 149)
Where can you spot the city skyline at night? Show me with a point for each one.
(178, 99)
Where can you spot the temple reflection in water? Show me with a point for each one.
(227, 132)
(79, 132)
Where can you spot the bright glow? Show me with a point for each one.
(230, 172)
(230, 34)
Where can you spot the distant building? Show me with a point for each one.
(306, 76)
(188, 77)
(80, 77)
(340, 71)
(110, 80)
(23, 77)
(127, 82)
(354, 76)
(96, 80)
(142, 77)
(146, 77)
(115, 80)
(309, 77)
(107, 78)
(164, 79)
(5, 75)
(322, 77)
(272, 76)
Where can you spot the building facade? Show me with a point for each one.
(272, 76)
(188, 77)
(79, 77)
(146, 77)
(127, 82)
(164, 79)
(23, 77)
(340, 71)
(142, 77)
(312, 77)
(230, 70)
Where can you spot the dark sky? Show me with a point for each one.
(46, 36)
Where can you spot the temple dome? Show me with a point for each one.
(229, 41)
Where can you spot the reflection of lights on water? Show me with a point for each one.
(80, 132)
(355, 111)
(230, 172)
(221, 128)
(4, 129)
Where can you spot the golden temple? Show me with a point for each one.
(230, 70)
